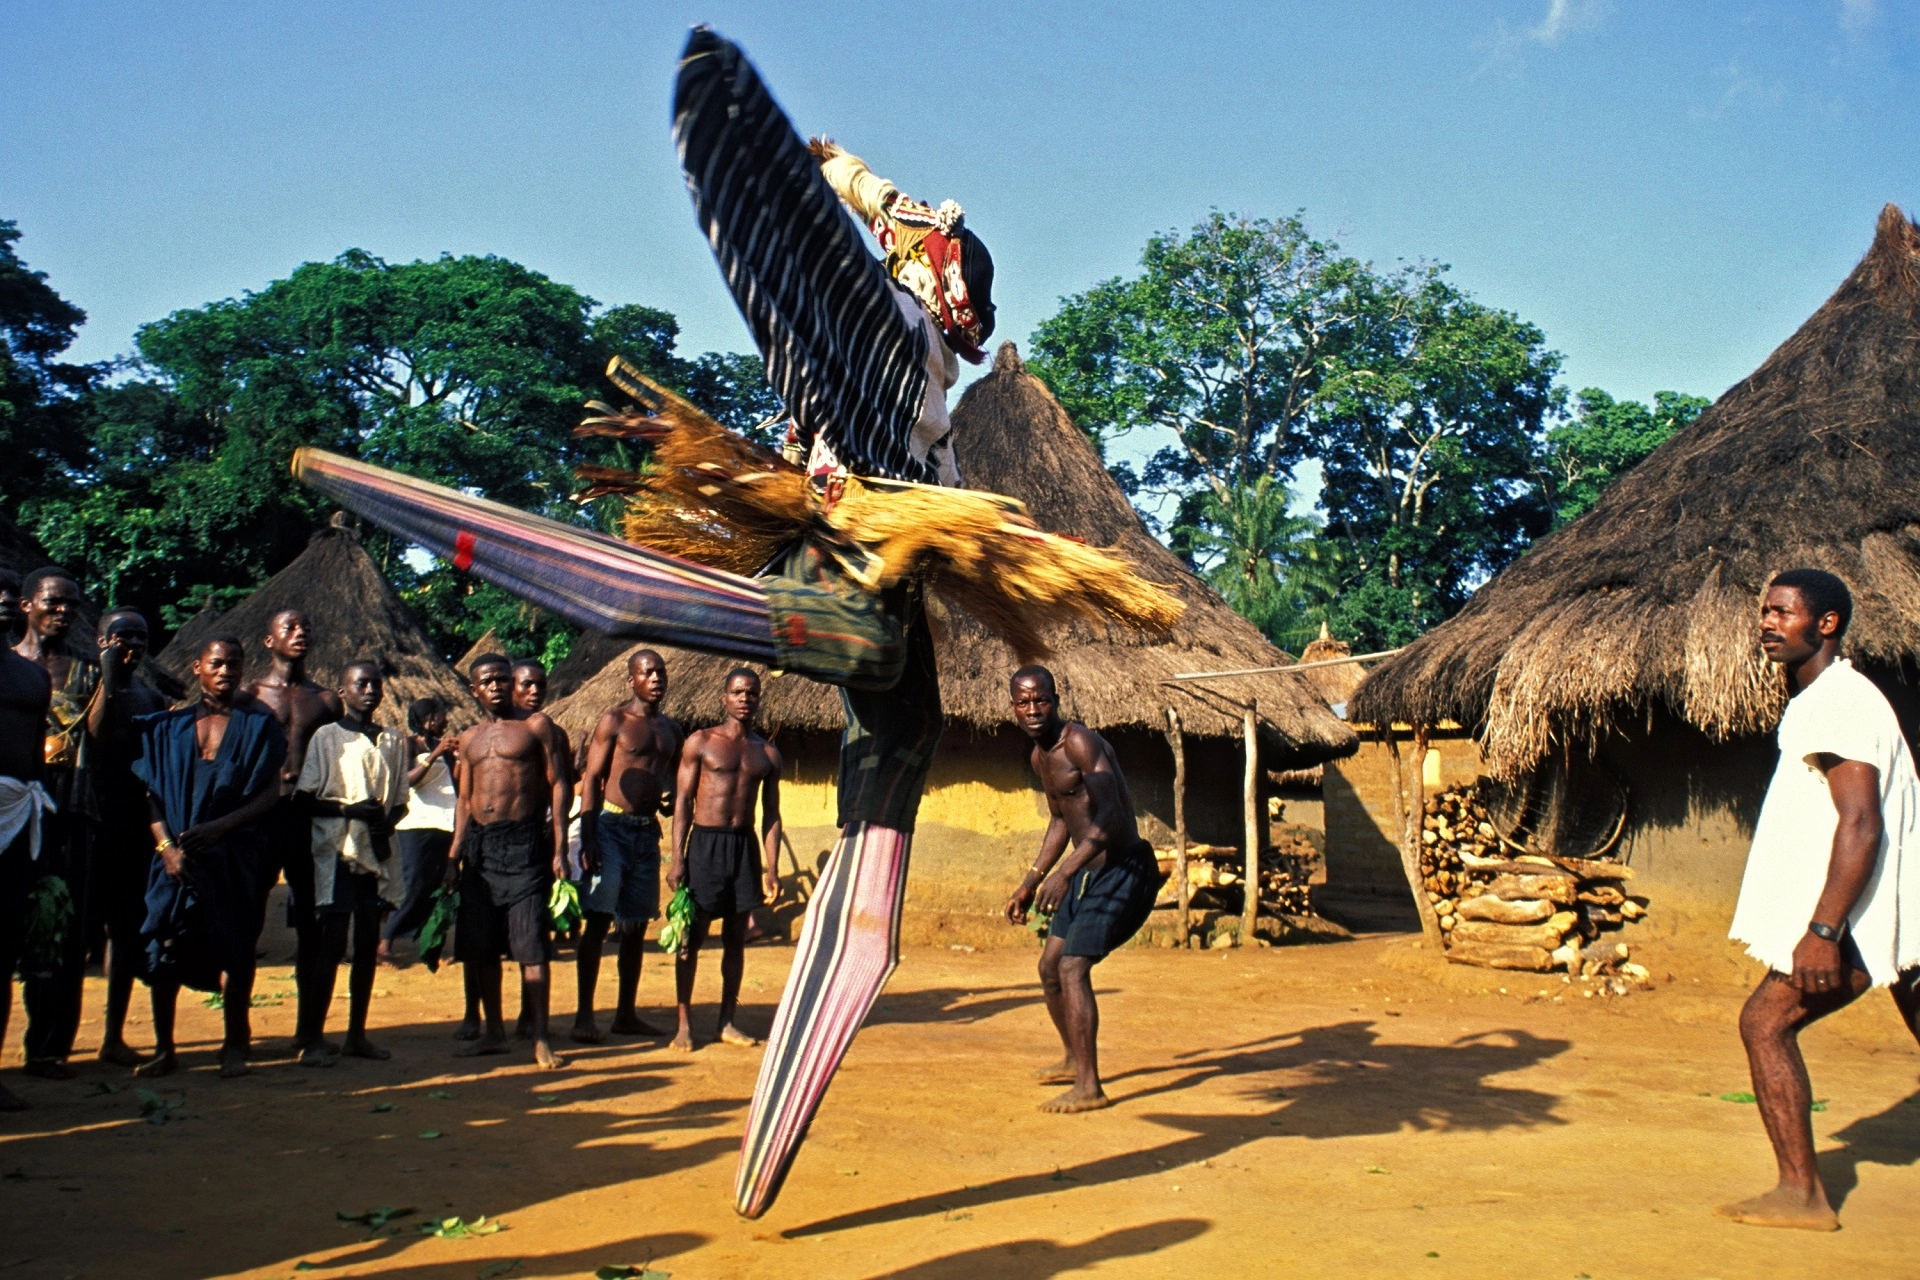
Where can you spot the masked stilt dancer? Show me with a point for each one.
(841, 551)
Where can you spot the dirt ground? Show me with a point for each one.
(1345, 1110)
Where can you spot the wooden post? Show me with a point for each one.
(1411, 827)
(1179, 743)
(1251, 798)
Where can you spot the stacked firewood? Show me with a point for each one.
(1284, 874)
(1524, 911)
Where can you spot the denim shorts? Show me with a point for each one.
(627, 886)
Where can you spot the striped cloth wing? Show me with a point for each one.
(587, 578)
(838, 350)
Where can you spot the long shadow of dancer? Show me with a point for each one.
(1033, 1259)
(1334, 1081)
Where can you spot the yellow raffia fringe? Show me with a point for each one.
(716, 498)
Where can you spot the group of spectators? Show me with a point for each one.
(148, 835)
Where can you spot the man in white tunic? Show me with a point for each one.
(353, 784)
(1831, 898)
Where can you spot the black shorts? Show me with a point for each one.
(723, 870)
(483, 932)
(1106, 905)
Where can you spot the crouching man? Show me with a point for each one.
(1099, 893)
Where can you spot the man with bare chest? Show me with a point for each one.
(723, 771)
(623, 790)
(1099, 893)
(509, 836)
(25, 691)
(300, 706)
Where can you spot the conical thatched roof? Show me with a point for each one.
(1015, 439)
(1652, 597)
(355, 614)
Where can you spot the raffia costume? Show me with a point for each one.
(843, 550)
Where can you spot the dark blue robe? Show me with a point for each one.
(208, 920)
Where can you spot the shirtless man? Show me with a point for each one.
(301, 706)
(509, 837)
(25, 691)
(529, 699)
(1099, 894)
(723, 770)
(623, 788)
(51, 601)
(122, 851)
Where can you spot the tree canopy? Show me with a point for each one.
(1246, 348)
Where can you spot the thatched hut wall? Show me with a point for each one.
(355, 614)
(983, 815)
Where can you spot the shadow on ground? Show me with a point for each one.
(1339, 1080)
(1033, 1259)
(1890, 1138)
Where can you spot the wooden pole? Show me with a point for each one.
(1179, 743)
(1251, 799)
(1410, 834)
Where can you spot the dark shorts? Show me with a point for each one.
(723, 870)
(1106, 905)
(484, 932)
(627, 886)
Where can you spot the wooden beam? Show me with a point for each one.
(1410, 857)
(1251, 800)
(1179, 743)
(1292, 666)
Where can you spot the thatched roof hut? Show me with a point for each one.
(355, 614)
(1646, 606)
(1015, 439)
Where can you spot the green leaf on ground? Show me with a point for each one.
(155, 1106)
(215, 1001)
(1374, 1168)
(382, 1106)
(456, 1229)
(1432, 1254)
(442, 1094)
(1738, 1097)
(1819, 1104)
(546, 1097)
(304, 1265)
(429, 1133)
(497, 1269)
(631, 1273)
(101, 1088)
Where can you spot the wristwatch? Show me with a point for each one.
(1824, 932)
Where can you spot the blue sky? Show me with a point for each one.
(1667, 189)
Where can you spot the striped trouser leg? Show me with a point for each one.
(849, 946)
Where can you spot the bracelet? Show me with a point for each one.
(164, 845)
(1824, 932)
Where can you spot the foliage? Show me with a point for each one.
(468, 371)
(1248, 346)
(1605, 438)
(39, 394)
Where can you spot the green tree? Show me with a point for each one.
(1605, 439)
(1247, 347)
(39, 393)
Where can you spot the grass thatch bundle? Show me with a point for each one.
(1651, 599)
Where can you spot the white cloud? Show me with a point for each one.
(1857, 15)
(1505, 44)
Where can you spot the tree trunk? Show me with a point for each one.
(1410, 831)
(1179, 744)
(1251, 798)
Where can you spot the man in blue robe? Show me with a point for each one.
(212, 772)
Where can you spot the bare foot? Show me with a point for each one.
(49, 1069)
(120, 1054)
(361, 1047)
(1061, 1072)
(730, 1034)
(469, 1029)
(683, 1042)
(304, 1046)
(587, 1032)
(11, 1101)
(1784, 1207)
(483, 1046)
(162, 1064)
(315, 1055)
(544, 1055)
(1073, 1100)
(233, 1064)
(632, 1024)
